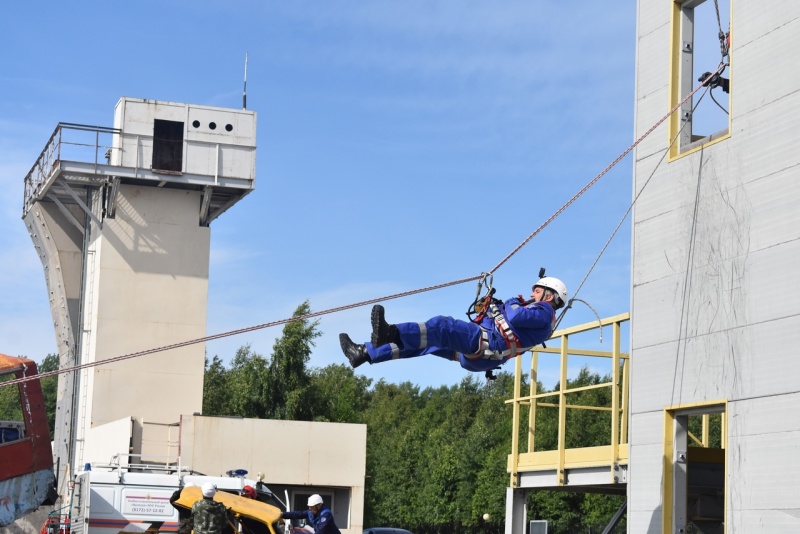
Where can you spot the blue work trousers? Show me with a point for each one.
(441, 336)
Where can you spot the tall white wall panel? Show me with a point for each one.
(151, 272)
(716, 272)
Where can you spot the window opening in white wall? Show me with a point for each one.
(700, 43)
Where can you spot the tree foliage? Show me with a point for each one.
(10, 408)
(50, 389)
(436, 457)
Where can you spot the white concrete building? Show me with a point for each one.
(716, 245)
(709, 390)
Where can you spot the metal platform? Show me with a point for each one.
(574, 466)
(76, 162)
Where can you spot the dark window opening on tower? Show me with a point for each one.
(167, 146)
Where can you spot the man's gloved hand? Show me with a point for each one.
(707, 79)
(714, 81)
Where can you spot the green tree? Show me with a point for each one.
(436, 458)
(255, 386)
(597, 509)
(215, 388)
(490, 438)
(339, 395)
(10, 409)
(248, 384)
(562, 510)
(50, 389)
(287, 380)
(390, 456)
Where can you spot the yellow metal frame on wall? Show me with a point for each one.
(562, 458)
(676, 94)
(670, 414)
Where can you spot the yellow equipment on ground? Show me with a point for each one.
(254, 516)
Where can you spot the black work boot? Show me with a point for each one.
(357, 354)
(383, 332)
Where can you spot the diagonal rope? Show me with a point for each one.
(311, 315)
(625, 216)
(230, 333)
(604, 171)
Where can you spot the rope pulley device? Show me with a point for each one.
(484, 296)
(715, 80)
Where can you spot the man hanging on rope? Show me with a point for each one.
(505, 330)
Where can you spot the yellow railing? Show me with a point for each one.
(562, 459)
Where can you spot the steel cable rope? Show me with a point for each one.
(311, 315)
(720, 106)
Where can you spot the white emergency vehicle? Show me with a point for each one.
(125, 497)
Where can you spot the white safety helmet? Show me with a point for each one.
(209, 489)
(555, 285)
(314, 500)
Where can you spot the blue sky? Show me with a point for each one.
(401, 144)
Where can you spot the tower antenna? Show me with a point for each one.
(244, 91)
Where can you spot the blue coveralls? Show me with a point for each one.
(457, 340)
(323, 523)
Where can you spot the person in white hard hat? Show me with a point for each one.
(209, 516)
(505, 330)
(317, 515)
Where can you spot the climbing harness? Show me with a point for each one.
(490, 306)
(485, 353)
(312, 315)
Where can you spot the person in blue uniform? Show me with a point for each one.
(317, 516)
(506, 330)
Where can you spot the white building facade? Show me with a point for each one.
(714, 429)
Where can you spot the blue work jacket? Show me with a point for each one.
(323, 523)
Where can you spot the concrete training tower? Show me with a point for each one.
(120, 218)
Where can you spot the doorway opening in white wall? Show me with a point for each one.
(167, 146)
(695, 468)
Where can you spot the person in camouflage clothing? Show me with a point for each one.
(184, 515)
(208, 515)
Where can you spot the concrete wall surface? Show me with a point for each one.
(148, 287)
(288, 453)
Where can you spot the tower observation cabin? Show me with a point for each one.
(153, 144)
